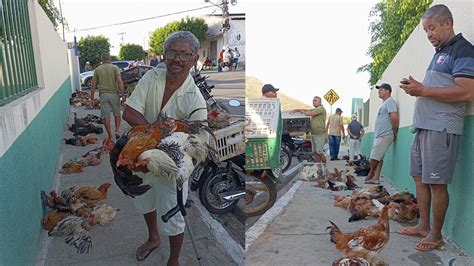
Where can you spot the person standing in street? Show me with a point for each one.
(107, 78)
(318, 129)
(170, 90)
(438, 120)
(335, 129)
(386, 128)
(88, 67)
(154, 61)
(220, 60)
(235, 60)
(355, 131)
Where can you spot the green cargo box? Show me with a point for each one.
(264, 153)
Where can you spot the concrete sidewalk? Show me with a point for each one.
(298, 236)
(116, 243)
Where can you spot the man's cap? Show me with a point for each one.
(338, 110)
(268, 87)
(88, 62)
(354, 117)
(384, 86)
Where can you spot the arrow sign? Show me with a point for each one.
(331, 96)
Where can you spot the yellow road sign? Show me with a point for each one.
(331, 96)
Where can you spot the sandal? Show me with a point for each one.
(424, 245)
(117, 135)
(144, 251)
(371, 182)
(408, 231)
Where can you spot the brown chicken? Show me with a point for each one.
(365, 242)
(405, 212)
(92, 195)
(52, 218)
(71, 168)
(145, 137)
(142, 138)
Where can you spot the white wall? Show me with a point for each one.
(413, 59)
(52, 69)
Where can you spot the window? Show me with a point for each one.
(17, 62)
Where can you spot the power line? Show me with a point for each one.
(143, 19)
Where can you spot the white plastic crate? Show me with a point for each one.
(229, 141)
(261, 115)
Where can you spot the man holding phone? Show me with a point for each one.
(438, 120)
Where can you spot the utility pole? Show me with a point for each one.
(62, 19)
(121, 33)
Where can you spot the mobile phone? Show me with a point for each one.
(406, 82)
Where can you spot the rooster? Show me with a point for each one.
(176, 157)
(124, 155)
(76, 228)
(365, 242)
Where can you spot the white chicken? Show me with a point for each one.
(104, 214)
(176, 157)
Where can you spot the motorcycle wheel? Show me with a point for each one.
(285, 158)
(261, 193)
(215, 184)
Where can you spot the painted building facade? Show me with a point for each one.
(218, 39)
(413, 59)
(31, 127)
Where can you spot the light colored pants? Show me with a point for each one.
(317, 142)
(381, 145)
(354, 148)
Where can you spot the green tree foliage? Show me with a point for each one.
(195, 25)
(392, 22)
(52, 12)
(131, 51)
(91, 48)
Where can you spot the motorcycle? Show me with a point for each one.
(222, 184)
(298, 147)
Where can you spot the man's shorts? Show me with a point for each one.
(317, 142)
(433, 156)
(162, 198)
(109, 102)
(380, 147)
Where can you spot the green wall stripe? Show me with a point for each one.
(27, 168)
(459, 224)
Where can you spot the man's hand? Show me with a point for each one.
(412, 86)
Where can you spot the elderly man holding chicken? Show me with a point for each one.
(169, 91)
(438, 121)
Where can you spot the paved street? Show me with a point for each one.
(294, 232)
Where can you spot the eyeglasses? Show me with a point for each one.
(182, 56)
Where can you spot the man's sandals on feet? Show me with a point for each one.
(423, 245)
(145, 250)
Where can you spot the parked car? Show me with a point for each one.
(86, 77)
(124, 65)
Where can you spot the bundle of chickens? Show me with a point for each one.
(369, 201)
(74, 212)
(84, 130)
(81, 140)
(82, 98)
(218, 119)
(335, 181)
(363, 245)
(167, 148)
(90, 158)
(361, 165)
(90, 118)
